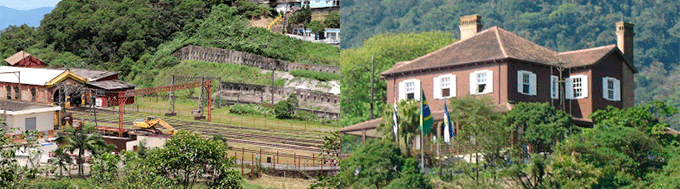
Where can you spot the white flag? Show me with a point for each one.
(395, 126)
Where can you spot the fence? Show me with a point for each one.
(284, 161)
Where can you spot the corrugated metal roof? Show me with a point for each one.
(30, 76)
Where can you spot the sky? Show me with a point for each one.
(28, 4)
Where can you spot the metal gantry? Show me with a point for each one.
(125, 95)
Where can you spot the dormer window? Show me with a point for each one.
(481, 82)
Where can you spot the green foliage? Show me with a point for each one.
(480, 133)
(539, 124)
(667, 177)
(187, 157)
(83, 138)
(644, 118)
(623, 154)
(316, 26)
(386, 49)
(251, 109)
(14, 39)
(251, 10)
(374, 165)
(410, 177)
(105, 169)
(284, 109)
(321, 76)
(408, 118)
(559, 25)
(302, 16)
(108, 31)
(332, 20)
(569, 172)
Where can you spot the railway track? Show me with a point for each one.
(235, 135)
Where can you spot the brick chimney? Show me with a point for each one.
(624, 38)
(469, 26)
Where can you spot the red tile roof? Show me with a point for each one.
(496, 44)
(17, 57)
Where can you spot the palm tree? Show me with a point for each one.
(81, 138)
(62, 161)
(408, 118)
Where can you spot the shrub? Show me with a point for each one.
(251, 109)
(321, 76)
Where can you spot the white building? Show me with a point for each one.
(25, 116)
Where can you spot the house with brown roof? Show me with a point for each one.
(24, 59)
(509, 69)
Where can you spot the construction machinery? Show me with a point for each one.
(151, 125)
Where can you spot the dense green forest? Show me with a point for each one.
(559, 25)
(138, 37)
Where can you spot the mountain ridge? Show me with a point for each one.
(17, 17)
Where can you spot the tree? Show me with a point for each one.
(480, 131)
(408, 118)
(187, 157)
(316, 26)
(302, 16)
(410, 177)
(538, 124)
(62, 160)
(284, 109)
(374, 164)
(83, 138)
(384, 50)
(332, 20)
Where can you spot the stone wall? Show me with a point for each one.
(303, 95)
(207, 54)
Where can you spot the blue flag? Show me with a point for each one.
(448, 127)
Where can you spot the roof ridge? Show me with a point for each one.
(500, 42)
(588, 49)
(441, 49)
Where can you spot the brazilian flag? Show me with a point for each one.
(426, 120)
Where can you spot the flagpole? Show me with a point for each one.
(422, 127)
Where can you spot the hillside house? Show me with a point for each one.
(24, 59)
(509, 69)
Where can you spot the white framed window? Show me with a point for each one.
(481, 82)
(611, 89)
(554, 87)
(577, 87)
(409, 89)
(444, 86)
(526, 82)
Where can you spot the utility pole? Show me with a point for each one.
(271, 90)
(372, 68)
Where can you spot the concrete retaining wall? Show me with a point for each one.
(207, 54)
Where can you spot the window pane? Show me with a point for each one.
(410, 96)
(480, 88)
(445, 92)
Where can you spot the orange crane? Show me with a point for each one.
(123, 96)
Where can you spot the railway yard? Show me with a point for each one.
(248, 135)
